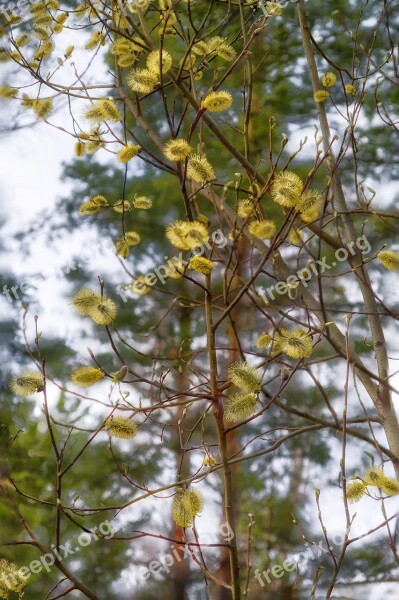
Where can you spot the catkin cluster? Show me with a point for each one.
(186, 506)
(242, 404)
(373, 477)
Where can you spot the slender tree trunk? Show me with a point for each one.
(236, 324)
(382, 396)
(181, 568)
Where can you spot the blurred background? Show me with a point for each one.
(48, 251)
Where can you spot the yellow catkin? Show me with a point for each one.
(104, 312)
(295, 236)
(89, 208)
(226, 52)
(7, 92)
(187, 235)
(355, 491)
(132, 238)
(214, 43)
(122, 248)
(110, 110)
(100, 200)
(329, 79)
(68, 51)
(41, 33)
(209, 461)
(200, 169)
(37, 8)
(126, 60)
(200, 48)
(374, 476)
(22, 40)
(84, 300)
(97, 39)
(122, 206)
(79, 149)
(13, 579)
(350, 89)
(286, 189)
(121, 427)
(142, 202)
(295, 343)
(263, 230)
(153, 61)
(240, 406)
(177, 150)
(201, 264)
(217, 101)
(310, 215)
(26, 101)
(389, 259)
(321, 96)
(246, 208)
(186, 506)
(263, 340)
(26, 383)
(245, 377)
(43, 19)
(45, 50)
(274, 9)
(87, 376)
(127, 153)
(42, 108)
(390, 486)
(309, 199)
(102, 110)
(142, 81)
